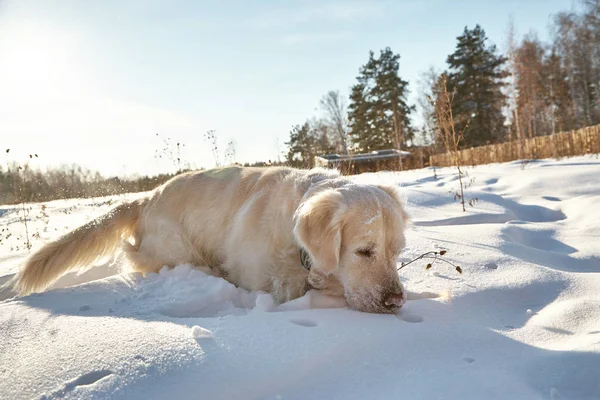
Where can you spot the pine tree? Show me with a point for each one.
(301, 147)
(378, 110)
(476, 77)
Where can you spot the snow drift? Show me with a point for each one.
(521, 322)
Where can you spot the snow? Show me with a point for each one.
(521, 322)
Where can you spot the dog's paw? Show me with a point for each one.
(408, 317)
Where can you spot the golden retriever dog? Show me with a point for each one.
(280, 230)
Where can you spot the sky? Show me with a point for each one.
(103, 84)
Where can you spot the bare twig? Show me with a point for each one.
(432, 255)
(447, 127)
(211, 137)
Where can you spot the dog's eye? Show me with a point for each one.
(366, 253)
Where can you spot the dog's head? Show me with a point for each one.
(354, 234)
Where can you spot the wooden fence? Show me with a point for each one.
(565, 144)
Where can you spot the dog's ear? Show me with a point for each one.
(318, 228)
(395, 194)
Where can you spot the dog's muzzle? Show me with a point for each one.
(393, 301)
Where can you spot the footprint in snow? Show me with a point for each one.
(84, 380)
(412, 318)
(558, 331)
(438, 275)
(550, 198)
(468, 360)
(491, 265)
(89, 379)
(304, 322)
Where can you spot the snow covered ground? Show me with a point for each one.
(521, 322)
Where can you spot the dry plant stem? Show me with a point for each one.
(170, 151)
(22, 199)
(211, 137)
(426, 255)
(432, 255)
(447, 127)
(462, 194)
(455, 142)
(27, 242)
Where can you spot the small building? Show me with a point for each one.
(377, 160)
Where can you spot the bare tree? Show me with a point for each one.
(532, 93)
(427, 83)
(335, 109)
(398, 131)
(448, 132)
(512, 90)
(577, 40)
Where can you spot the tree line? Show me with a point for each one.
(534, 89)
(20, 183)
(481, 97)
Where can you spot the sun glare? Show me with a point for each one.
(37, 62)
(43, 88)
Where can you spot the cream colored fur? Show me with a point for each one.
(247, 224)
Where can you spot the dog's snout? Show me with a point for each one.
(394, 300)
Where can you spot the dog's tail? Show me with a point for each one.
(85, 245)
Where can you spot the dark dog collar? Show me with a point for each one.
(305, 259)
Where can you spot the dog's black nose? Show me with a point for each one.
(394, 300)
